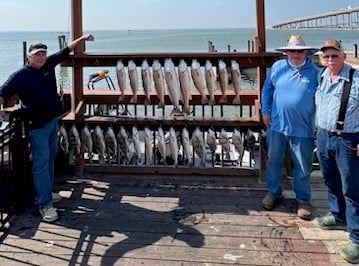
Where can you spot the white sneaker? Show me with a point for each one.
(56, 197)
(49, 214)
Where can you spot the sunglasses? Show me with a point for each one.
(333, 56)
(295, 51)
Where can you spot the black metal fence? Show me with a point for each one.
(15, 169)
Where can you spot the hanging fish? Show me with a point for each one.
(137, 144)
(99, 143)
(146, 80)
(185, 84)
(186, 145)
(159, 80)
(132, 72)
(198, 146)
(211, 140)
(74, 141)
(236, 80)
(223, 140)
(174, 146)
(121, 78)
(210, 81)
(148, 146)
(173, 85)
(223, 78)
(111, 144)
(63, 139)
(86, 142)
(122, 146)
(161, 143)
(198, 81)
(238, 144)
(249, 142)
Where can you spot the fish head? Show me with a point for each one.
(120, 65)
(208, 65)
(144, 65)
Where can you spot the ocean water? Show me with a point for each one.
(187, 40)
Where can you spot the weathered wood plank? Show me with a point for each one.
(170, 220)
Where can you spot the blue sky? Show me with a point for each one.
(156, 14)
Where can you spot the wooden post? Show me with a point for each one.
(210, 46)
(355, 50)
(24, 52)
(261, 71)
(77, 71)
(261, 31)
(77, 74)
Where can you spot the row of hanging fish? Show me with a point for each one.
(158, 147)
(179, 83)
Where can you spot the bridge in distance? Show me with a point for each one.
(346, 18)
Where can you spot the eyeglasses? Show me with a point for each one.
(333, 56)
(295, 51)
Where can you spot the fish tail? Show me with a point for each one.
(236, 100)
(176, 111)
(133, 99)
(160, 104)
(121, 98)
(223, 99)
(186, 110)
(147, 101)
(211, 101)
(204, 99)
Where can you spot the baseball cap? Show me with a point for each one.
(331, 43)
(37, 47)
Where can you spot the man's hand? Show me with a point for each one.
(267, 120)
(2, 116)
(89, 37)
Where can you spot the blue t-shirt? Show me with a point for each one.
(288, 97)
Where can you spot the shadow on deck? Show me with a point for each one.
(170, 220)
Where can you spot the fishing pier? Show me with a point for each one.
(346, 18)
(157, 212)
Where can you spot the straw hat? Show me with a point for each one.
(296, 42)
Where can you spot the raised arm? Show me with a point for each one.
(72, 45)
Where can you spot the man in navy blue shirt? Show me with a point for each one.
(35, 84)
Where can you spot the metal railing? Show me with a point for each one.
(15, 169)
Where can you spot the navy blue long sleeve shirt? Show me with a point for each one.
(36, 88)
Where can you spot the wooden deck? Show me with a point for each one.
(170, 220)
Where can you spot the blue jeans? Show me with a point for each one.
(43, 143)
(339, 165)
(301, 152)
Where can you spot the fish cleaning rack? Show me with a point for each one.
(203, 117)
(226, 115)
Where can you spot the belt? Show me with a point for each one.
(340, 133)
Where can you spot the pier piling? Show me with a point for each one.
(355, 52)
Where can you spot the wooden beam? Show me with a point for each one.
(77, 71)
(261, 29)
(244, 59)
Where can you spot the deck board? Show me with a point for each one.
(162, 220)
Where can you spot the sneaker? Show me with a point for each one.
(56, 197)
(304, 211)
(328, 222)
(270, 201)
(49, 214)
(350, 253)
